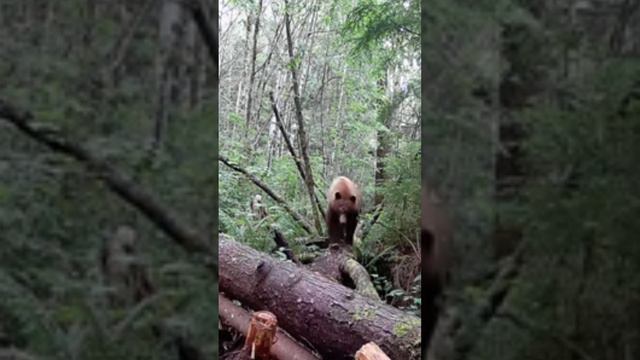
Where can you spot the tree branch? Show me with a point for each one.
(292, 151)
(120, 184)
(529, 325)
(281, 242)
(269, 192)
(119, 50)
(302, 135)
(376, 215)
(209, 32)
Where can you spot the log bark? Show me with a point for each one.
(338, 264)
(360, 278)
(334, 319)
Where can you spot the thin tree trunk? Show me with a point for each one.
(325, 70)
(264, 80)
(170, 16)
(337, 119)
(302, 137)
(292, 151)
(244, 67)
(273, 133)
(118, 52)
(618, 36)
(309, 58)
(252, 62)
(190, 60)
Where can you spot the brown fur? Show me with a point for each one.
(344, 205)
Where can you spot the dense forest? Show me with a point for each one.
(531, 124)
(310, 91)
(522, 116)
(107, 180)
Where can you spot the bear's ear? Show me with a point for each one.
(353, 199)
(338, 197)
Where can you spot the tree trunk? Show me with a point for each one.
(516, 88)
(302, 137)
(323, 82)
(244, 66)
(385, 116)
(192, 54)
(252, 64)
(262, 84)
(170, 17)
(334, 319)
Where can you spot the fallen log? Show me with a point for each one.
(332, 318)
(281, 242)
(338, 264)
(238, 318)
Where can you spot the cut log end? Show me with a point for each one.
(371, 351)
(261, 335)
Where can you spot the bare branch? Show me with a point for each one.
(292, 151)
(302, 135)
(117, 54)
(209, 31)
(120, 184)
(529, 325)
(269, 192)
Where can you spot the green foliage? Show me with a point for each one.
(347, 108)
(373, 23)
(54, 213)
(579, 214)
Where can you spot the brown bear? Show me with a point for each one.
(344, 204)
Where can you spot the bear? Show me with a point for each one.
(344, 205)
